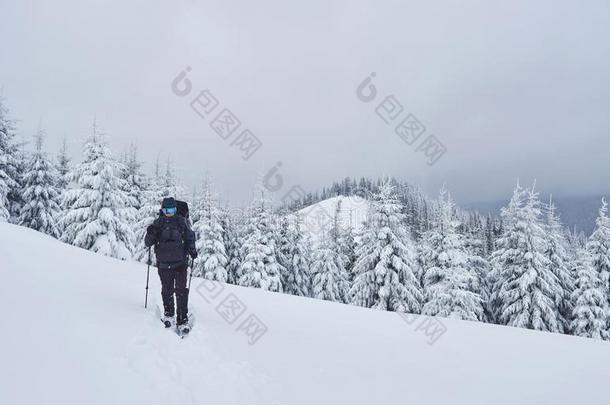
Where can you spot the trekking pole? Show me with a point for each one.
(147, 277)
(192, 268)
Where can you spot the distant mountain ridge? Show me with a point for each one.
(576, 212)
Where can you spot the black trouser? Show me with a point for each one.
(174, 280)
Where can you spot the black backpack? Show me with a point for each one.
(170, 244)
(182, 209)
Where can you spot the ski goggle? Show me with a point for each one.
(169, 211)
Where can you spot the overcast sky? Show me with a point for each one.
(516, 89)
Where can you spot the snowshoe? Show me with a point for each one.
(183, 328)
(167, 321)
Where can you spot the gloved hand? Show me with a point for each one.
(193, 254)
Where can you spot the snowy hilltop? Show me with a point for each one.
(81, 335)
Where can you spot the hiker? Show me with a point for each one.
(173, 241)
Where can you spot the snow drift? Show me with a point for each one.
(75, 331)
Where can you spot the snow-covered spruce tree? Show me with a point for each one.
(260, 267)
(234, 240)
(330, 275)
(134, 181)
(590, 312)
(96, 213)
(63, 167)
(557, 253)
(134, 178)
(598, 247)
(490, 239)
(343, 233)
(475, 236)
(282, 243)
(483, 269)
(508, 213)
(422, 252)
(148, 212)
(170, 184)
(576, 240)
(15, 196)
(8, 162)
(150, 204)
(295, 257)
(525, 288)
(451, 287)
(348, 249)
(212, 260)
(385, 265)
(329, 278)
(195, 209)
(41, 208)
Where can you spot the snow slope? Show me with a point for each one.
(318, 218)
(75, 331)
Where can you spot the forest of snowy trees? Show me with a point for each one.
(413, 253)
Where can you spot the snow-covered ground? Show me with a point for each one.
(75, 332)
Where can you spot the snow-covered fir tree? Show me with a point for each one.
(170, 183)
(134, 181)
(451, 285)
(195, 209)
(472, 228)
(282, 243)
(483, 269)
(598, 247)
(590, 312)
(490, 239)
(422, 251)
(148, 212)
(212, 260)
(474, 231)
(294, 256)
(559, 260)
(63, 167)
(8, 162)
(15, 196)
(343, 233)
(134, 178)
(525, 288)
(576, 240)
(234, 240)
(330, 279)
(348, 248)
(508, 213)
(41, 208)
(260, 267)
(96, 210)
(385, 274)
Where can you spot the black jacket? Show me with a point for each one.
(173, 240)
